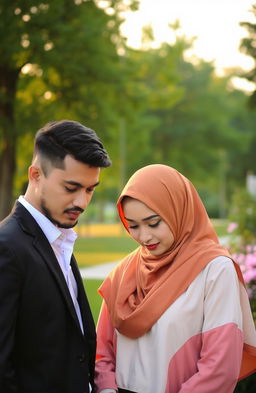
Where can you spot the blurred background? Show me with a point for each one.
(163, 81)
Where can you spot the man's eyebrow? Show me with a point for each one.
(74, 183)
(144, 219)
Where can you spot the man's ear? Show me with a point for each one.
(34, 173)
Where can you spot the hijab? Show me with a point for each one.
(143, 286)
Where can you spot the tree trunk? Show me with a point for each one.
(8, 86)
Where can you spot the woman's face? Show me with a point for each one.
(147, 227)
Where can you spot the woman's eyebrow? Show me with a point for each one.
(144, 219)
(150, 217)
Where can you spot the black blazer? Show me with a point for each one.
(42, 348)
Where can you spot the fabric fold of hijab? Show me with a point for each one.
(143, 286)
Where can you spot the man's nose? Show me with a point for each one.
(82, 199)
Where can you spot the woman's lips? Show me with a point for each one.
(152, 246)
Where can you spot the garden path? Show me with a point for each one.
(98, 272)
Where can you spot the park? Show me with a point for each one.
(154, 103)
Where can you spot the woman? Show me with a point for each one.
(175, 316)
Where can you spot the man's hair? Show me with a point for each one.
(66, 137)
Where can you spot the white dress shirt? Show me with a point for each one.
(62, 242)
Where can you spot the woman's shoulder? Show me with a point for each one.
(221, 265)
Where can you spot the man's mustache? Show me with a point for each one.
(74, 209)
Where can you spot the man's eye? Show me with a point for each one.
(90, 189)
(70, 189)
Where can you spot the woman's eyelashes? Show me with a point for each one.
(153, 225)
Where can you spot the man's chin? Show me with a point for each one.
(47, 212)
(67, 225)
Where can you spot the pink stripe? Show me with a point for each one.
(106, 353)
(208, 362)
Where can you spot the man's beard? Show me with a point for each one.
(48, 214)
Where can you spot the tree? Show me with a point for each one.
(59, 56)
(190, 119)
(201, 133)
(248, 45)
(151, 86)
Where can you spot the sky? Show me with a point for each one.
(215, 23)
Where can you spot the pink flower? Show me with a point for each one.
(249, 275)
(247, 263)
(232, 226)
(250, 293)
(250, 260)
(240, 258)
(249, 249)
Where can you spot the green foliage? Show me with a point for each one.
(67, 59)
(58, 60)
(248, 46)
(243, 214)
(243, 243)
(189, 119)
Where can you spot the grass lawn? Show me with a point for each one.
(92, 251)
(95, 250)
(94, 298)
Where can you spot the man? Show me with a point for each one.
(47, 333)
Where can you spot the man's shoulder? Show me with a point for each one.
(9, 228)
(16, 223)
(7, 222)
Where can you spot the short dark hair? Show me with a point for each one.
(59, 138)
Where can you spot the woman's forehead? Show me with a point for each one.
(136, 208)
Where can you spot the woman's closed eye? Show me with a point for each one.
(151, 225)
(154, 225)
(133, 226)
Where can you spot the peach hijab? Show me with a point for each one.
(143, 286)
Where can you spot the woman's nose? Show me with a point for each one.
(145, 235)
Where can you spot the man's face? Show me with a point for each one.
(64, 194)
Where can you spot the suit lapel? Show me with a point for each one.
(43, 247)
(50, 259)
(88, 322)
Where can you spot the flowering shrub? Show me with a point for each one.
(242, 231)
(243, 217)
(247, 262)
(242, 244)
